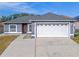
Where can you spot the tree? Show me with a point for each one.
(19, 15)
(14, 16)
(3, 18)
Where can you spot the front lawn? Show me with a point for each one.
(5, 41)
(76, 36)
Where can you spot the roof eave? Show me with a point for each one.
(56, 20)
(17, 22)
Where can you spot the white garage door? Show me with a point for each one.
(52, 30)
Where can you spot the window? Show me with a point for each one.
(12, 27)
(30, 27)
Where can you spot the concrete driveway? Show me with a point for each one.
(56, 47)
(20, 48)
(45, 47)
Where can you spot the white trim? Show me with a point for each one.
(29, 32)
(12, 32)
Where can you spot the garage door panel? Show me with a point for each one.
(52, 30)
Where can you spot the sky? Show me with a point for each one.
(61, 8)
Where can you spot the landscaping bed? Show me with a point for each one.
(76, 36)
(5, 41)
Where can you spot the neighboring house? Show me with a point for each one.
(1, 27)
(47, 25)
(77, 25)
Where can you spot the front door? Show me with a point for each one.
(24, 28)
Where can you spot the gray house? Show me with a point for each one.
(47, 25)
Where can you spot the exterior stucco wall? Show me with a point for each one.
(34, 25)
(34, 29)
(76, 25)
(6, 27)
(71, 27)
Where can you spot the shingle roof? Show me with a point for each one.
(24, 19)
(45, 17)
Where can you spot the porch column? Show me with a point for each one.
(72, 29)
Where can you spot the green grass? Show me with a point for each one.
(5, 41)
(76, 39)
(76, 36)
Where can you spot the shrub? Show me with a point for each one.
(76, 39)
(76, 34)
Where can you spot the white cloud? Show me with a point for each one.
(17, 6)
(21, 7)
(24, 8)
(8, 4)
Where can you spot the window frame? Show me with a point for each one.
(29, 27)
(15, 28)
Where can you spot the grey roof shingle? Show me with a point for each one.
(23, 19)
(45, 17)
